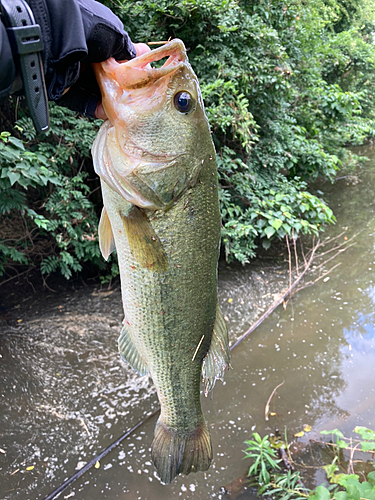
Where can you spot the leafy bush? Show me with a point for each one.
(254, 206)
(48, 219)
(266, 473)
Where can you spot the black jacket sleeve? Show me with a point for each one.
(74, 33)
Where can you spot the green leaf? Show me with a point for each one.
(266, 244)
(342, 495)
(269, 231)
(334, 432)
(277, 223)
(365, 433)
(16, 142)
(330, 469)
(353, 492)
(13, 177)
(368, 445)
(342, 444)
(371, 477)
(344, 479)
(321, 493)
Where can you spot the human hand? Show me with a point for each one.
(91, 33)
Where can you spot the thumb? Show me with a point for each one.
(141, 48)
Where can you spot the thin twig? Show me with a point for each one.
(329, 239)
(279, 300)
(267, 407)
(337, 446)
(85, 426)
(333, 256)
(16, 276)
(310, 283)
(295, 252)
(303, 252)
(338, 246)
(289, 260)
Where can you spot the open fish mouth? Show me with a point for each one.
(138, 73)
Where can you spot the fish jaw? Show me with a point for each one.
(135, 81)
(138, 73)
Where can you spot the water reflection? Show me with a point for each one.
(65, 394)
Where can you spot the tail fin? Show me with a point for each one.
(175, 454)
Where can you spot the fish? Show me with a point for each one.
(156, 161)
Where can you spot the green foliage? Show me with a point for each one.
(337, 436)
(20, 167)
(287, 87)
(43, 192)
(287, 485)
(351, 487)
(254, 206)
(266, 473)
(264, 456)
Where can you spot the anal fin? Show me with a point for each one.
(218, 357)
(129, 352)
(144, 243)
(106, 240)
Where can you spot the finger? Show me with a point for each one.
(100, 113)
(141, 48)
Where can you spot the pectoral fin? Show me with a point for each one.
(144, 243)
(218, 356)
(129, 353)
(106, 240)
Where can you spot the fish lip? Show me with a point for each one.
(137, 73)
(175, 49)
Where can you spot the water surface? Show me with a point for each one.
(65, 395)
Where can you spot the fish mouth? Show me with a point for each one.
(138, 73)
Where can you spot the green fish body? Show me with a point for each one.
(158, 172)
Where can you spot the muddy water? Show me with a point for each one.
(65, 395)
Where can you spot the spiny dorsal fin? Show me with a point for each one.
(144, 243)
(218, 356)
(129, 353)
(106, 240)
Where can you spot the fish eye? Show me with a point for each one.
(183, 102)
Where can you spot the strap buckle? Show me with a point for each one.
(26, 42)
(26, 39)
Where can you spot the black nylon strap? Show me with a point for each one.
(26, 41)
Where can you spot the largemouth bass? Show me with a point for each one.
(156, 161)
